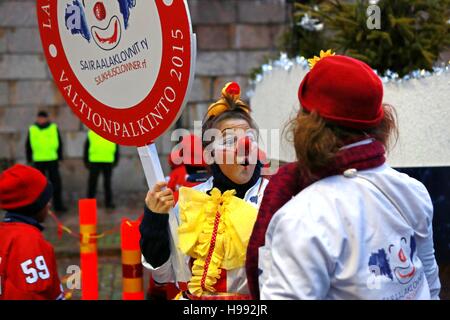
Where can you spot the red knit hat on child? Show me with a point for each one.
(344, 91)
(24, 190)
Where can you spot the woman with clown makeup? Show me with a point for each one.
(216, 218)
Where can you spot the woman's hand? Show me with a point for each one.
(159, 201)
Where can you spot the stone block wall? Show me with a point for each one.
(234, 36)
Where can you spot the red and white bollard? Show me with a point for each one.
(88, 249)
(132, 270)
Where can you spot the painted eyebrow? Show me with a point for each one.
(390, 248)
(84, 4)
(227, 129)
(238, 127)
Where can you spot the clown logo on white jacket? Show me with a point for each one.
(363, 237)
(396, 261)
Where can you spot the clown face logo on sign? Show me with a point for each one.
(101, 21)
(105, 42)
(123, 66)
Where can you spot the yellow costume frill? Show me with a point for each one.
(214, 230)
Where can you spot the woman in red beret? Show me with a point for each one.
(348, 226)
(27, 262)
(215, 218)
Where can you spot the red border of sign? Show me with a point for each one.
(173, 17)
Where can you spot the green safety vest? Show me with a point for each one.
(44, 143)
(100, 149)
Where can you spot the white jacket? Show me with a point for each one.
(342, 238)
(236, 279)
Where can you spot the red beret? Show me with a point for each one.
(24, 189)
(344, 91)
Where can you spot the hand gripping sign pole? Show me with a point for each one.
(125, 68)
(154, 173)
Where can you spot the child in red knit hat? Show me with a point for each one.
(340, 223)
(27, 262)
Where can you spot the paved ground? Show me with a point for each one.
(110, 268)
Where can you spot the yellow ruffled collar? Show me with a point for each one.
(215, 230)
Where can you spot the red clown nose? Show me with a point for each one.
(244, 146)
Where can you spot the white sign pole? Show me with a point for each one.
(154, 173)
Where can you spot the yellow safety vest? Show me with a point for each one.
(100, 149)
(44, 143)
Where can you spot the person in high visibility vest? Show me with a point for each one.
(100, 157)
(44, 149)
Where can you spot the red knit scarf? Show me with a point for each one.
(289, 181)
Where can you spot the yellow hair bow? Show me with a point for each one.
(230, 93)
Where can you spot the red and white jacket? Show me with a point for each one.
(27, 264)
